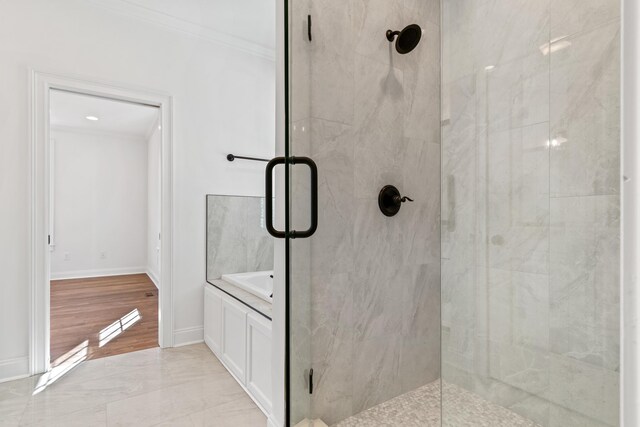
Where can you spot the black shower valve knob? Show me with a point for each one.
(390, 200)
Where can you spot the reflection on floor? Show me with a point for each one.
(102, 316)
(185, 386)
(421, 408)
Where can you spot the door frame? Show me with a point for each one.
(41, 84)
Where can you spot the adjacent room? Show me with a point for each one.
(105, 239)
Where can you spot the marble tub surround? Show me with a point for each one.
(530, 207)
(256, 303)
(365, 288)
(184, 386)
(237, 240)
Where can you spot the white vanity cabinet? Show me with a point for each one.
(241, 339)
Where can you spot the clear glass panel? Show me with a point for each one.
(237, 238)
(365, 289)
(530, 213)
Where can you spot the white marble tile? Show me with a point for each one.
(584, 284)
(458, 35)
(377, 305)
(585, 114)
(332, 61)
(375, 372)
(378, 129)
(333, 381)
(139, 388)
(586, 389)
(241, 412)
(14, 396)
(419, 361)
(518, 199)
(514, 94)
(522, 26)
(421, 75)
(521, 367)
(421, 12)
(568, 17)
(226, 236)
(300, 61)
(560, 416)
(171, 402)
(237, 239)
(96, 416)
(333, 150)
(331, 313)
(371, 20)
(420, 220)
(420, 288)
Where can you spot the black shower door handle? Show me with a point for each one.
(314, 198)
(269, 197)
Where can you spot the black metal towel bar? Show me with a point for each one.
(232, 157)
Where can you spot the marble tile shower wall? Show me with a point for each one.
(369, 117)
(237, 240)
(531, 207)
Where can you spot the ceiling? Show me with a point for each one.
(69, 111)
(253, 21)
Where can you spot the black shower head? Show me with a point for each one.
(407, 39)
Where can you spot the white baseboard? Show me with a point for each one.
(188, 336)
(13, 369)
(81, 274)
(153, 278)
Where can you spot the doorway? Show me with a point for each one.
(101, 204)
(104, 240)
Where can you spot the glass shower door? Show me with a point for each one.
(364, 290)
(530, 213)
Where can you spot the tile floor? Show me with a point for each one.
(421, 408)
(185, 386)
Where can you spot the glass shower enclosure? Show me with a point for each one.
(465, 266)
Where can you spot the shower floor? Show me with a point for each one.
(421, 407)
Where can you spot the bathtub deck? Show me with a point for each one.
(255, 303)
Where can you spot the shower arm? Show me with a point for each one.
(392, 34)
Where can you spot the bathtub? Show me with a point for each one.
(258, 283)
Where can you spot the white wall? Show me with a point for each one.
(223, 102)
(153, 205)
(100, 205)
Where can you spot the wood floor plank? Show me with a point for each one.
(82, 308)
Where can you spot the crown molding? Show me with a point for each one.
(186, 27)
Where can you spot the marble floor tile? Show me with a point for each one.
(187, 385)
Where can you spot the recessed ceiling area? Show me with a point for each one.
(93, 113)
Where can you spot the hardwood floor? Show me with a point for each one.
(108, 315)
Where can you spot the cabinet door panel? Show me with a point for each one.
(213, 320)
(259, 359)
(234, 341)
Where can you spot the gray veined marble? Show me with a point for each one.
(237, 240)
(585, 114)
(503, 126)
(530, 206)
